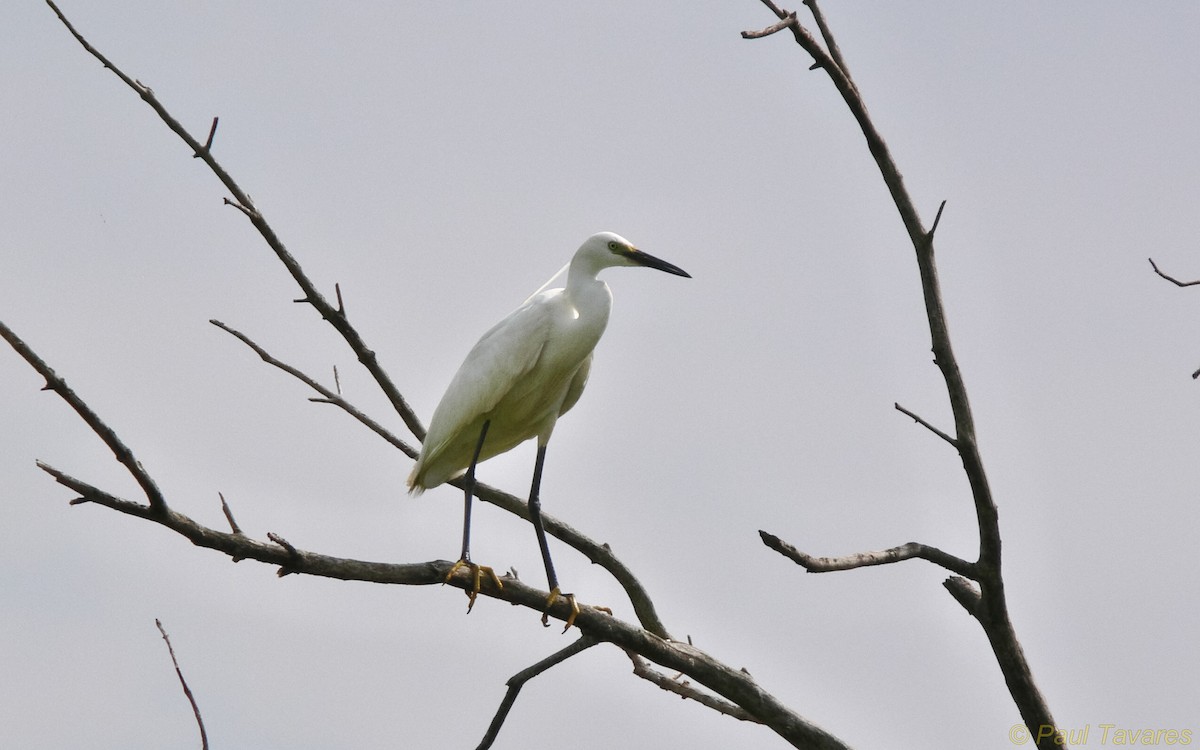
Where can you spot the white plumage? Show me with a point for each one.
(515, 383)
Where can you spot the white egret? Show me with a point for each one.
(525, 373)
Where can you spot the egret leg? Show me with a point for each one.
(535, 515)
(464, 560)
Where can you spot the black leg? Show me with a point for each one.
(465, 560)
(535, 515)
(469, 491)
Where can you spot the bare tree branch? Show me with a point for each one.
(992, 611)
(785, 23)
(734, 685)
(1171, 279)
(279, 551)
(186, 690)
(517, 681)
(926, 425)
(865, 559)
(327, 396)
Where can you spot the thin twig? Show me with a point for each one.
(1172, 279)
(517, 681)
(186, 690)
(926, 425)
(291, 548)
(233, 526)
(212, 132)
(685, 690)
(950, 562)
(830, 44)
(328, 396)
(936, 221)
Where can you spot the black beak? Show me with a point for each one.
(649, 261)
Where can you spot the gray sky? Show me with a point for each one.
(441, 161)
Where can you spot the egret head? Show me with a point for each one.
(607, 249)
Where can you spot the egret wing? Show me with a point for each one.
(494, 365)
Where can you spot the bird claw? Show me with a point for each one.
(477, 572)
(550, 600)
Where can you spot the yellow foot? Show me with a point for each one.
(550, 600)
(477, 572)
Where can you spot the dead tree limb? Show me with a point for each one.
(517, 681)
(866, 559)
(158, 503)
(991, 610)
(242, 201)
(735, 686)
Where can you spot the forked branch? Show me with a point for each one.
(327, 396)
(158, 504)
(242, 201)
(517, 681)
(991, 608)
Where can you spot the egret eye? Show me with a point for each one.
(614, 247)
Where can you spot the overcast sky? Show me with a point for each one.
(440, 161)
